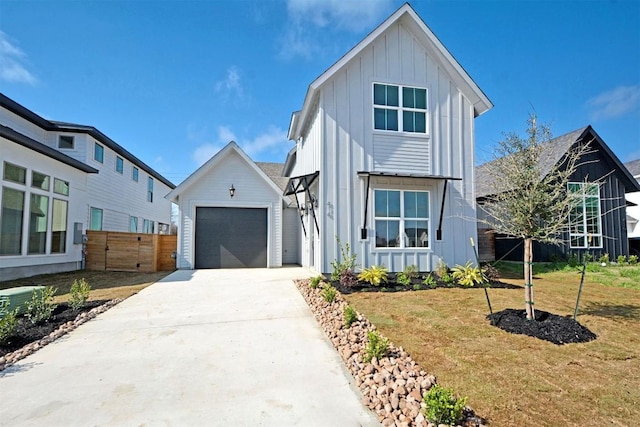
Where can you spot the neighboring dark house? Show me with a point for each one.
(604, 221)
(633, 211)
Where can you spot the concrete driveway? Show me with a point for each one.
(199, 348)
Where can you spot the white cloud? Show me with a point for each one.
(12, 68)
(271, 141)
(231, 87)
(615, 102)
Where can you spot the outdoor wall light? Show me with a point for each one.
(232, 190)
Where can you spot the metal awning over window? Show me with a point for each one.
(299, 184)
(368, 175)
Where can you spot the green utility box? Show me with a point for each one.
(16, 298)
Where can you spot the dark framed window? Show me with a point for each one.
(59, 226)
(60, 187)
(119, 165)
(133, 224)
(11, 221)
(135, 173)
(14, 173)
(399, 107)
(98, 153)
(150, 190)
(95, 220)
(585, 224)
(40, 180)
(65, 142)
(38, 223)
(401, 218)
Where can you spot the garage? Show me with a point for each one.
(231, 237)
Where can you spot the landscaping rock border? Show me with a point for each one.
(11, 358)
(393, 386)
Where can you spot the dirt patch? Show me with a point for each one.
(547, 326)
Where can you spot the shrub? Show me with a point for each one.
(621, 259)
(588, 257)
(314, 282)
(573, 260)
(8, 322)
(411, 271)
(633, 259)
(448, 280)
(417, 287)
(377, 346)
(430, 281)
(604, 259)
(329, 293)
(349, 279)
(40, 307)
(79, 293)
(441, 268)
(442, 406)
(350, 316)
(374, 275)
(467, 275)
(348, 262)
(403, 279)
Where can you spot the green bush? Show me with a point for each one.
(350, 316)
(347, 262)
(329, 293)
(442, 406)
(621, 260)
(604, 259)
(417, 287)
(314, 282)
(573, 260)
(467, 275)
(8, 322)
(403, 279)
(430, 282)
(40, 307)
(79, 293)
(448, 280)
(633, 259)
(374, 275)
(377, 346)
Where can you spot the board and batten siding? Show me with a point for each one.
(350, 144)
(212, 190)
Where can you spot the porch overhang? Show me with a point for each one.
(369, 174)
(299, 184)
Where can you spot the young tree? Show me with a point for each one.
(530, 198)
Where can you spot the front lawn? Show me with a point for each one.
(518, 380)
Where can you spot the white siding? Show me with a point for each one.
(212, 190)
(25, 127)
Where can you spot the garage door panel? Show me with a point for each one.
(231, 238)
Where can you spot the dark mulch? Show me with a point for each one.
(549, 327)
(416, 285)
(26, 332)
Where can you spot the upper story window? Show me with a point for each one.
(399, 108)
(150, 190)
(401, 218)
(119, 165)
(135, 173)
(14, 173)
(585, 225)
(65, 142)
(60, 186)
(98, 153)
(39, 180)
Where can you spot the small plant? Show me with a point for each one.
(347, 262)
(467, 275)
(350, 316)
(573, 260)
(430, 281)
(40, 307)
(491, 273)
(314, 282)
(442, 406)
(633, 259)
(8, 322)
(622, 260)
(79, 293)
(417, 287)
(604, 259)
(329, 293)
(448, 280)
(377, 346)
(588, 257)
(407, 275)
(349, 279)
(441, 268)
(403, 279)
(374, 275)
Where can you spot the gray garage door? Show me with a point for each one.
(231, 238)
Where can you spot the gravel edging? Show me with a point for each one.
(11, 358)
(393, 386)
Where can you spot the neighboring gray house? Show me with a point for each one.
(600, 215)
(384, 153)
(633, 210)
(232, 214)
(61, 179)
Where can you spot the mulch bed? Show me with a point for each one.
(26, 332)
(416, 285)
(547, 326)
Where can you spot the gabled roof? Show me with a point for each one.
(633, 167)
(267, 171)
(552, 153)
(39, 147)
(410, 18)
(55, 126)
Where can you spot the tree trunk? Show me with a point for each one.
(528, 278)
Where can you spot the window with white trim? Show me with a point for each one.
(401, 218)
(95, 219)
(585, 225)
(135, 173)
(98, 153)
(150, 190)
(399, 108)
(119, 165)
(65, 142)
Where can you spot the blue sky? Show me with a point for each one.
(174, 81)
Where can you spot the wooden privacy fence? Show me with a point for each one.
(115, 251)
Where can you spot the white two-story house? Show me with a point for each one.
(61, 179)
(384, 153)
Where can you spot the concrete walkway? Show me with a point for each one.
(199, 348)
